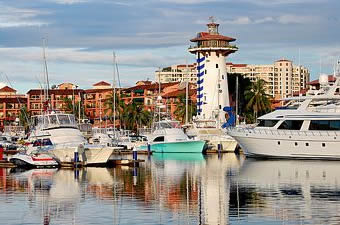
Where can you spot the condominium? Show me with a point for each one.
(177, 73)
(283, 78)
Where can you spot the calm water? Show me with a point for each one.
(186, 189)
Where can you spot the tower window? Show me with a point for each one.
(205, 71)
(222, 77)
(216, 65)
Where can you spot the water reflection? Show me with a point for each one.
(292, 191)
(190, 189)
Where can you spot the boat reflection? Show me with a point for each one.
(291, 190)
(193, 189)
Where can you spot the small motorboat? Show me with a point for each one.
(34, 160)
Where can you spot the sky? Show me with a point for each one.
(81, 36)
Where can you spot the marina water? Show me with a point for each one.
(176, 189)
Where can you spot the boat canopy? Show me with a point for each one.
(54, 120)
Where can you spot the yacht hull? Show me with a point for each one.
(194, 146)
(308, 146)
(91, 156)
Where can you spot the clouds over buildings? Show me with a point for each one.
(147, 34)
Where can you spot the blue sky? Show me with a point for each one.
(149, 34)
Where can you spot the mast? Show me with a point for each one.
(114, 89)
(45, 72)
(186, 93)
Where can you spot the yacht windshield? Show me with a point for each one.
(166, 124)
(267, 123)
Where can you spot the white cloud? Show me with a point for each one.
(189, 2)
(297, 19)
(68, 2)
(19, 17)
(283, 19)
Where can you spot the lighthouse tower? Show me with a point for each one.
(211, 49)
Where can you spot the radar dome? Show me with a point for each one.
(323, 79)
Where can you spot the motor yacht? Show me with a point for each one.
(168, 137)
(308, 128)
(59, 134)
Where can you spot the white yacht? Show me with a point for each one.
(59, 134)
(209, 131)
(168, 137)
(309, 127)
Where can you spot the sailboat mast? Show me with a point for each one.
(186, 92)
(114, 89)
(46, 71)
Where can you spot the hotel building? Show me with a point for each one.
(283, 77)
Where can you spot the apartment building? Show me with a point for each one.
(177, 73)
(36, 98)
(283, 77)
(10, 105)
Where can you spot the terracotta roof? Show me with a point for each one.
(203, 36)
(331, 78)
(7, 89)
(98, 90)
(302, 92)
(102, 83)
(236, 65)
(283, 60)
(179, 92)
(55, 91)
(151, 86)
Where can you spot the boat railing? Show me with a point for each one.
(324, 133)
(325, 110)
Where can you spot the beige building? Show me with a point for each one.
(283, 77)
(177, 73)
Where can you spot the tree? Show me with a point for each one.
(24, 117)
(180, 109)
(70, 108)
(258, 100)
(120, 106)
(135, 116)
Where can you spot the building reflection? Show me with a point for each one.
(194, 189)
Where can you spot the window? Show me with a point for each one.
(291, 125)
(216, 65)
(222, 77)
(324, 125)
(159, 139)
(267, 123)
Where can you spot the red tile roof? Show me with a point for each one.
(7, 89)
(55, 91)
(178, 93)
(102, 83)
(331, 78)
(153, 86)
(203, 36)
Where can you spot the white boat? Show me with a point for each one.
(309, 129)
(34, 160)
(168, 137)
(209, 131)
(58, 134)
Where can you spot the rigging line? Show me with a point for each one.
(21, 109)
(118, 76)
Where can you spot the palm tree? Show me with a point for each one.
(70, 108)
(120, 106)
(180, 109)
(24, 117)
(258, 100)
(134, 116)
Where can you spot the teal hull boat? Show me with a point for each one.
(193, 146)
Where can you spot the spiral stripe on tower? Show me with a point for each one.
(200, 73)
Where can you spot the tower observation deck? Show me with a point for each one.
(211, 49)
